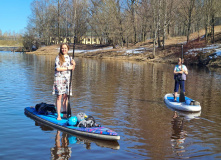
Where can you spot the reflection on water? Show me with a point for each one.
(61, 149)
(178, 134)
(124, 96)
(63, 140)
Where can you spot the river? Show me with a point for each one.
(126, 97)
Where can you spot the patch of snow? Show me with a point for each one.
(182, 43)
(202, 36)
(210, 47)
(136, 51)
(218, 52)
(206, 49)
(87, 51)
(120, 51)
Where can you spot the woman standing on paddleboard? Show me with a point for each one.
(180, 72)
(63, 65)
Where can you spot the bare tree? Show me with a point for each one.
(187, 9)
(106, 20)
(215, 8)
(169, 11)
(132, 5)
(155, 7)
(122, 21)
(199, 12)
(144, 19)
(54, 18)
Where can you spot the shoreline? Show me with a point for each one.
(197, 51)
(9, 48)
(169, 55)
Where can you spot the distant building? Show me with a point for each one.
(56, 40)
(90, 40)
(87, 39)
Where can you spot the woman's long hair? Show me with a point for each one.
(61, 54)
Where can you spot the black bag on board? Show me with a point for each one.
(44, 108)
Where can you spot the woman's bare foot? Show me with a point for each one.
(59, 118)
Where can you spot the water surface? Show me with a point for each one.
(126, 97)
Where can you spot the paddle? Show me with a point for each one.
(182, 96)
(69, 106)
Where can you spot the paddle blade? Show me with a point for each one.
(182, 96)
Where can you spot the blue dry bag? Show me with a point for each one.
(72, 121)
(188, 102)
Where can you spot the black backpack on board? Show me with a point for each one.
(44, 108)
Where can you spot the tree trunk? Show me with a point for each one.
(59, 20)
(190, 12)
(120, 23)
(155, 24)
(213, 28)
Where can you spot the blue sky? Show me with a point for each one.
(14, 15)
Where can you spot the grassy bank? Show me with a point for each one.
(10, 43)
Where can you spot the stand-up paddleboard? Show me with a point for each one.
(182, 106)
(93, 132)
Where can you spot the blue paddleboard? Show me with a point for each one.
(93, 132)
(182, 106)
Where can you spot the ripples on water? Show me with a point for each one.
(124, 96)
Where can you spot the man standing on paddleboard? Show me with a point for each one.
(180, 72)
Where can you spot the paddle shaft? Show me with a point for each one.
(182, 96)
(182, 65)
(182, 53)
(69, 106)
